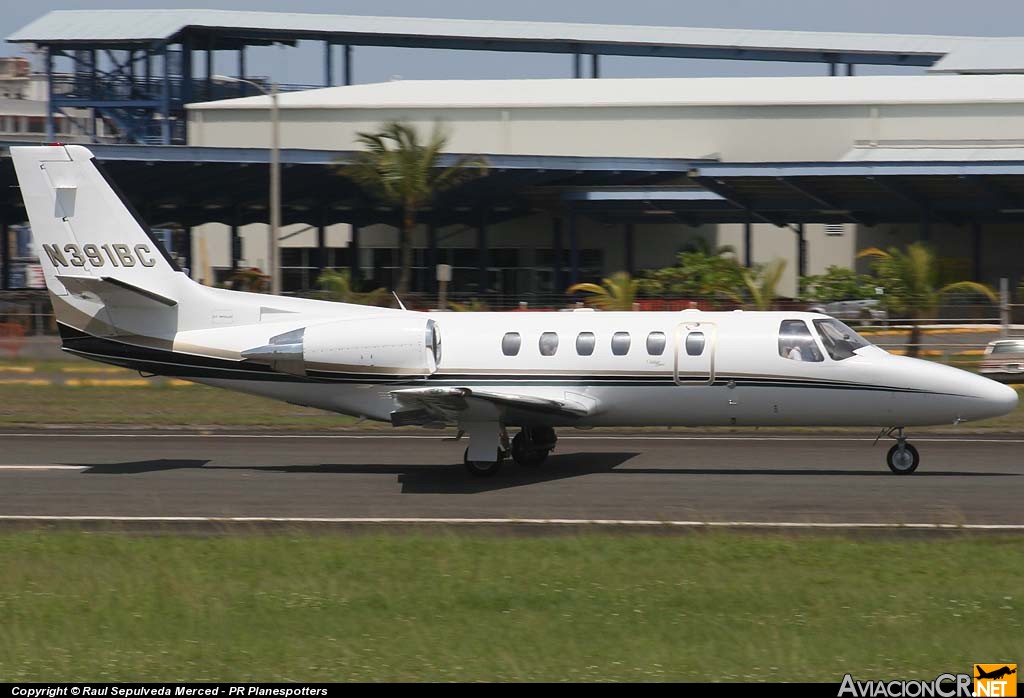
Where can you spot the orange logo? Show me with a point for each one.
(995, 680)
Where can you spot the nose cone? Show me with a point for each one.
(992, 399)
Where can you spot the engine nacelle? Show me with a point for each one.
(393, 346)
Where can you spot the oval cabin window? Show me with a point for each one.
(548, 343)
(620, 343)
(510, 343)
(585, 342)
(656, 343)
(695, 343)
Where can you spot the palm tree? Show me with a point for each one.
(336, 285)
(617, 292)
(910, 278)
(401, 171)
(763, 284)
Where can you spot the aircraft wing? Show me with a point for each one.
(437, 406)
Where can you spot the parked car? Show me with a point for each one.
(865, 310)
(1004, 360)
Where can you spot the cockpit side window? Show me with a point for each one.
(796, 342)
(840, 341)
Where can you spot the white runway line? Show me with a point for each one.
(44, 467)
(512, 522)
(596, 437)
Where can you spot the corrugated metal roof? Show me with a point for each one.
(146, 25)
(975, 151)
(782, 91)
(995, 55)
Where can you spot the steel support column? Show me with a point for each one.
(595, 65)
(346, 65)
(574, 250)
(321, 245)
(556, 255)
(976, 249)
(850, 68)
(801, 252)
(630, 259)
(51, 129)
(748, 243)
(5, 255)
(577, 65)
(328, 67)
(484, 258)
(186, 70)
(432, 257)
(165, 99)
(188, 253)
(209, 70)
(235, 243)
(354, 268)
(242, 86)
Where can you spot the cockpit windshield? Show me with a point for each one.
(839, 341)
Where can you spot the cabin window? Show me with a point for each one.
(656, 343)
(840, 341)
(620, 343)
(796, 342)
(510, 343)
(585, 342)
(695, 343)
(548, 343)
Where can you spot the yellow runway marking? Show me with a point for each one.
(92, 369)
(107, 382)
(17, 369)
(25, 381)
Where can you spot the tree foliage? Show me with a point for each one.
(762, 285)
(837, 284)
(696, 275)
(399, 169)
(617, 292)
(910, 280)
(337, 285)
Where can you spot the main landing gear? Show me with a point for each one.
(529, 448)
(902, 458)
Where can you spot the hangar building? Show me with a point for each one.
(587, 176)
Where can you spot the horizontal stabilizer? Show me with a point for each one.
(110, 291)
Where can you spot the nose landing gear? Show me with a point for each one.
(902, 458)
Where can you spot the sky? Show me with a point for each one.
(304, 64)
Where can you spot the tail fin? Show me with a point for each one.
(93, 247)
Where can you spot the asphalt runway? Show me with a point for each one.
(782, 479)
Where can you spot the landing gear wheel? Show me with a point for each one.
(482, 468)
(903, 458)
(523, 455)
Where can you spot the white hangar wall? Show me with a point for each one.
(730, 119)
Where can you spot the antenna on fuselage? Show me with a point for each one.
(400, 303)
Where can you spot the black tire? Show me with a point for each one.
(524, 456)
(903, 463)
(482, 468)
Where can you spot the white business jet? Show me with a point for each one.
(120, 299)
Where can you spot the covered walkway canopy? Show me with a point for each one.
(189, 186)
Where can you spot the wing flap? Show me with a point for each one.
(435, 405)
